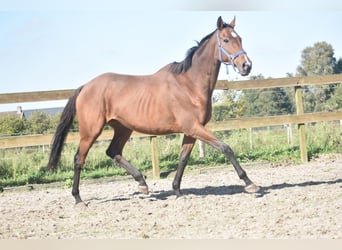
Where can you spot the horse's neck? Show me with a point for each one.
(205, 68)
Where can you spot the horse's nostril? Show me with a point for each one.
(246, 66)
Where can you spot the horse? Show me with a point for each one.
(175, 99)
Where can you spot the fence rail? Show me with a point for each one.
(236, 123)
(246, 122)
(52, 95)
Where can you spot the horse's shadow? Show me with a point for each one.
(266, 190)
(237, 189)
(227, 190)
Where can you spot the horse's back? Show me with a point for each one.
(108, 85)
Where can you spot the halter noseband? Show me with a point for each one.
(230, 56)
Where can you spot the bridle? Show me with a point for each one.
(230, 56)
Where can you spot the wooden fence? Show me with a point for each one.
(245, 122)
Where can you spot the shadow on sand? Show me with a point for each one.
(228, 190)
(237, 189)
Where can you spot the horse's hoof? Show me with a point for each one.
(143, 189)
(81, 205)
(178, 193)
(180, 197)
(252, 188)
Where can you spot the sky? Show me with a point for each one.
(64, 44)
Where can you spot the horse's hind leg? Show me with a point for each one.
(114, 151)
(89, 131)
(187, 146)
(79, 159)
(77, 174)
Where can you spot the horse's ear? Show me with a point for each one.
(232, 23)
(220, 23)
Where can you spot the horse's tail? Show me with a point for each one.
(62, 130)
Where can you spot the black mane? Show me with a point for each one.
(183, 66)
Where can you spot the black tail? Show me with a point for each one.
(62, 130)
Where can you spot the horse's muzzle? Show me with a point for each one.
(246, 68)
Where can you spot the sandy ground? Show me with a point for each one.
(295, 202)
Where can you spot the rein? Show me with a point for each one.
(230, 56)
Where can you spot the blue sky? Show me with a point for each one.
(46, 46)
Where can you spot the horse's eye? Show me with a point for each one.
(226, 40)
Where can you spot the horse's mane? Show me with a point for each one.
(183, 66)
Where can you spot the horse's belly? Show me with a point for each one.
(152, 127)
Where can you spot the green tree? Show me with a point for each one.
(12, 125)
(228, 106)
(335, 102)
(40, 122)
(336, 99)
(54, 121)
(338, 67)
(273, 101)
(318, 60)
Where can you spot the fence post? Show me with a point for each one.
(155, 157)
(289, 133)
(251, 145)
(201, 148)
(301, 126)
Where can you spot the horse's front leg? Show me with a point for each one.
(187, 146)
(228, 152)
(206, 136)
(114, 151)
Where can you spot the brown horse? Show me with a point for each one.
(176, 99)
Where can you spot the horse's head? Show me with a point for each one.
(230, 49)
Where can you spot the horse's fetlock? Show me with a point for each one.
(139, 178)
(74, 193)
(242, 174)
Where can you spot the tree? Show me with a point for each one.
(318, 60)
(12, 125)
(273, 101)
(335, 102)
(338, 67)
(40, 122)
(228, 105)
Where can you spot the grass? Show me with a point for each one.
(23, 166)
